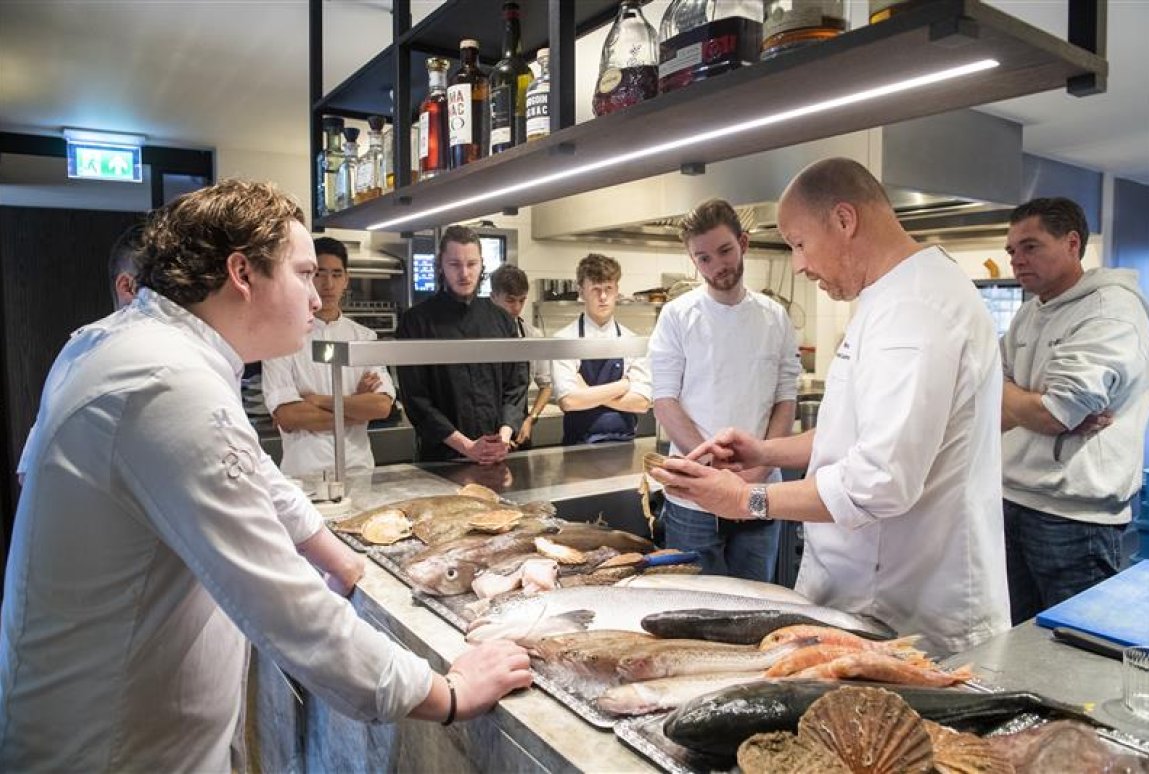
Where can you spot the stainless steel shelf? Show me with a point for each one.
(928, 38)
(443, 352)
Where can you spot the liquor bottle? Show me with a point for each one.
(371, 177)
(345, 179)
(628, 70)
(538, 99)
(795, 23)
(467, 110)
(433, 131)
(880, 10)
(328, 162)
(700, 39)
(414, 143)
(509, 81)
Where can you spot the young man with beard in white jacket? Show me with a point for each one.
(1074, 409)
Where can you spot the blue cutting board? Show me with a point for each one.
(1116, 609)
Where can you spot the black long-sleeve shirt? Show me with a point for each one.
(473, 398)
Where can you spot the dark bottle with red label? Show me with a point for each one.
(628, 70)
(467, 109)
(699, 39)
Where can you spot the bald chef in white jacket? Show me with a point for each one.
(904, 469)
(147, 551)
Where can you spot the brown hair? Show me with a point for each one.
(508, 280)
(1058, 216)
(707, 216)
(186, 243)
(829, 182)
(598, 268)
(460, 234)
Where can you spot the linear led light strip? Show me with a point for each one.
(896, 87)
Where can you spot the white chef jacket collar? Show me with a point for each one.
(607, 326)
(162, 308)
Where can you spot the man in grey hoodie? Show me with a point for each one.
(1074, 409)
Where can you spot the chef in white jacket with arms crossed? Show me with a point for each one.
(903, 476)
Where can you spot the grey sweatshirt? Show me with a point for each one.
(1087, 350)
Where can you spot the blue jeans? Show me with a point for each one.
(740, 549)
(1050, 558)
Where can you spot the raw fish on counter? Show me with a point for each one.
(747, 627)
(718, 722)
(830, 635)
(676, 658)
(884, 668)
(717, 584)
(610, 607)
(667, 692)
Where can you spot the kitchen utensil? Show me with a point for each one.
(1089, 642)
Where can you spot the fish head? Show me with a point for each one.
(442, 576)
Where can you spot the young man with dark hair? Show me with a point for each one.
(723, 356)
(298, 391)
(902, 493)
(469, 410)
(509, 288)
(149, 549)
(1074, 409)
(601, 398)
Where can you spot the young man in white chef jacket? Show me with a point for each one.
(298, 391)
(147, 550)
(903, 485)
(722, 356)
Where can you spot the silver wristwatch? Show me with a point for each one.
(759, 503)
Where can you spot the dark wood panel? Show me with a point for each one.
(53, 279)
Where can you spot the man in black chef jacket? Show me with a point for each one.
(469, 410)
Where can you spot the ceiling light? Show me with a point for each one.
(877, 92)
(105, 138)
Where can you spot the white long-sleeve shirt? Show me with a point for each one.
(287, 379)
(147, 552)
(564, 373)
(727, 365)
(907, 458)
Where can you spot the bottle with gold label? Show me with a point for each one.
(880, 10)
(467, 112)
(628, 70)
(792, 24)
(509, 82)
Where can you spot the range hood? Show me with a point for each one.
(952, 179)
(954, 176)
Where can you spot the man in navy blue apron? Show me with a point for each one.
(602, 398)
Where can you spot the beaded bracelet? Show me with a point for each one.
(454, 701)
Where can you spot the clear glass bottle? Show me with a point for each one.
(699, 39)
(328, 163)
(539, 99)
(794, 23)
(628, 70)
(371, 177)
(509, 81)
(467, 109)
(345, 179)
(414, 142)
(433, 128)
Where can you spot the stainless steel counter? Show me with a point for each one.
(1028, 658)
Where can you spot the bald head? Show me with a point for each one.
(824, 184)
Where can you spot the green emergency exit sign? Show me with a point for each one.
(92, 161)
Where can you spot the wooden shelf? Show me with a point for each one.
(925, 39)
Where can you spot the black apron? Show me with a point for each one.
(599, 424)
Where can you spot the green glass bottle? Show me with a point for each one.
(509, 81)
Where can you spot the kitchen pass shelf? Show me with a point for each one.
(806, 94)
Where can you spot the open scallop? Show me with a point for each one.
(386, 527)
(495, 522)
(781, 752)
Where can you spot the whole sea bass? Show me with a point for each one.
(608, 607)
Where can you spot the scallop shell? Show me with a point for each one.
(958, 753)
(479, 491)
(872, 730)
(781, 752)
(558, 552)
(385, 528)
(622, 560)
(495, 522)
(652, 460)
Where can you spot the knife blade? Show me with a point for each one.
(1089, 642)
